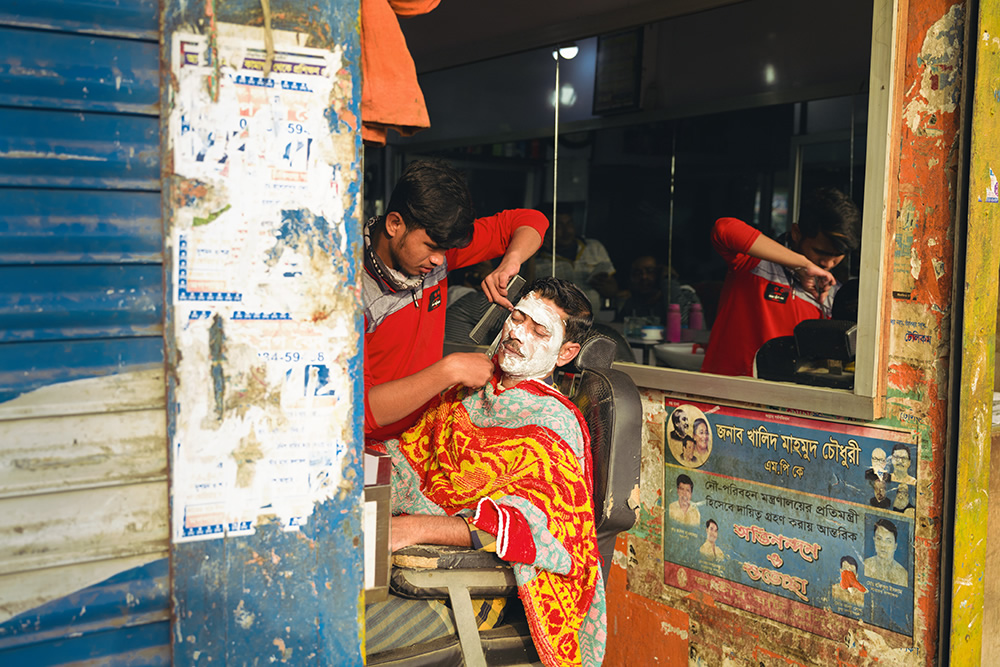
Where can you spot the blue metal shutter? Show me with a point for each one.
(83, 454)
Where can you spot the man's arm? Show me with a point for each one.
(426, 529)
(813, 279)
(524, 242)
(391, 401)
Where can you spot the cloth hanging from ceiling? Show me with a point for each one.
(390, 95)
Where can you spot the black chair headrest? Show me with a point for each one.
(598, 351)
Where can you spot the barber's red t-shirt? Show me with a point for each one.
(404, 330)
(759, 301)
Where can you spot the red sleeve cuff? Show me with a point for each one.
(514, 539)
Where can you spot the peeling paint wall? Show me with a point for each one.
(262, 194)
(919, 306)
(973, 627)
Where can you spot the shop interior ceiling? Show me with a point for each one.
(458, 32)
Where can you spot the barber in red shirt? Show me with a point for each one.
(773, 285)
(428, 230)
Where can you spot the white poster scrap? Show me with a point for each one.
(263, 318)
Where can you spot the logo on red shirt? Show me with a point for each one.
(776, 292)
(435, 300)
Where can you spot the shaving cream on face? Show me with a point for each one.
(538, 354)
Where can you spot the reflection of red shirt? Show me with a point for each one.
(759, 301)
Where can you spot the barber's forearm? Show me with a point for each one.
(524, 242)
(394, 400)
(772, 251)
(426, 529)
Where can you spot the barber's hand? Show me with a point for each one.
(495, 285)
(470, 369)
(814, 280)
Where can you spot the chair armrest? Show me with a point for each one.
(429, 571)
(439, 584)
(443, 557)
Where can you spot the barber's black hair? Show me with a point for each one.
(684, 479)
(830, 211)
(850, 561)
(431, 195)
(711, 521)
(573, 302)
(888, 525)
(901, 447)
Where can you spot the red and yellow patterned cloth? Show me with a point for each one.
(526, 449)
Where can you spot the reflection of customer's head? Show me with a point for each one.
(680, 421)
(644, 277)
(885, 539)
(846, 302)
(684, 488)
(711, 531)
(900, 459)
(565, 230)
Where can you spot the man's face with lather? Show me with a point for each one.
(532, 338)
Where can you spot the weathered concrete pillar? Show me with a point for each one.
(262, 178)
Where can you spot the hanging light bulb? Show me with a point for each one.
(569, 52)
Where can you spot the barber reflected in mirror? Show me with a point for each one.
(772, 285)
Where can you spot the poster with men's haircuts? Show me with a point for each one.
(807, 522)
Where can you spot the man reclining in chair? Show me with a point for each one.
(507, 468)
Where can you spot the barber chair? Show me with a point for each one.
(819, 353)
(610, 403)
(623, 351)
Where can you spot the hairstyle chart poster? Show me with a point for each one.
(817, 515)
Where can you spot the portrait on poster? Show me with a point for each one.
(805, 518)
(689, 437)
